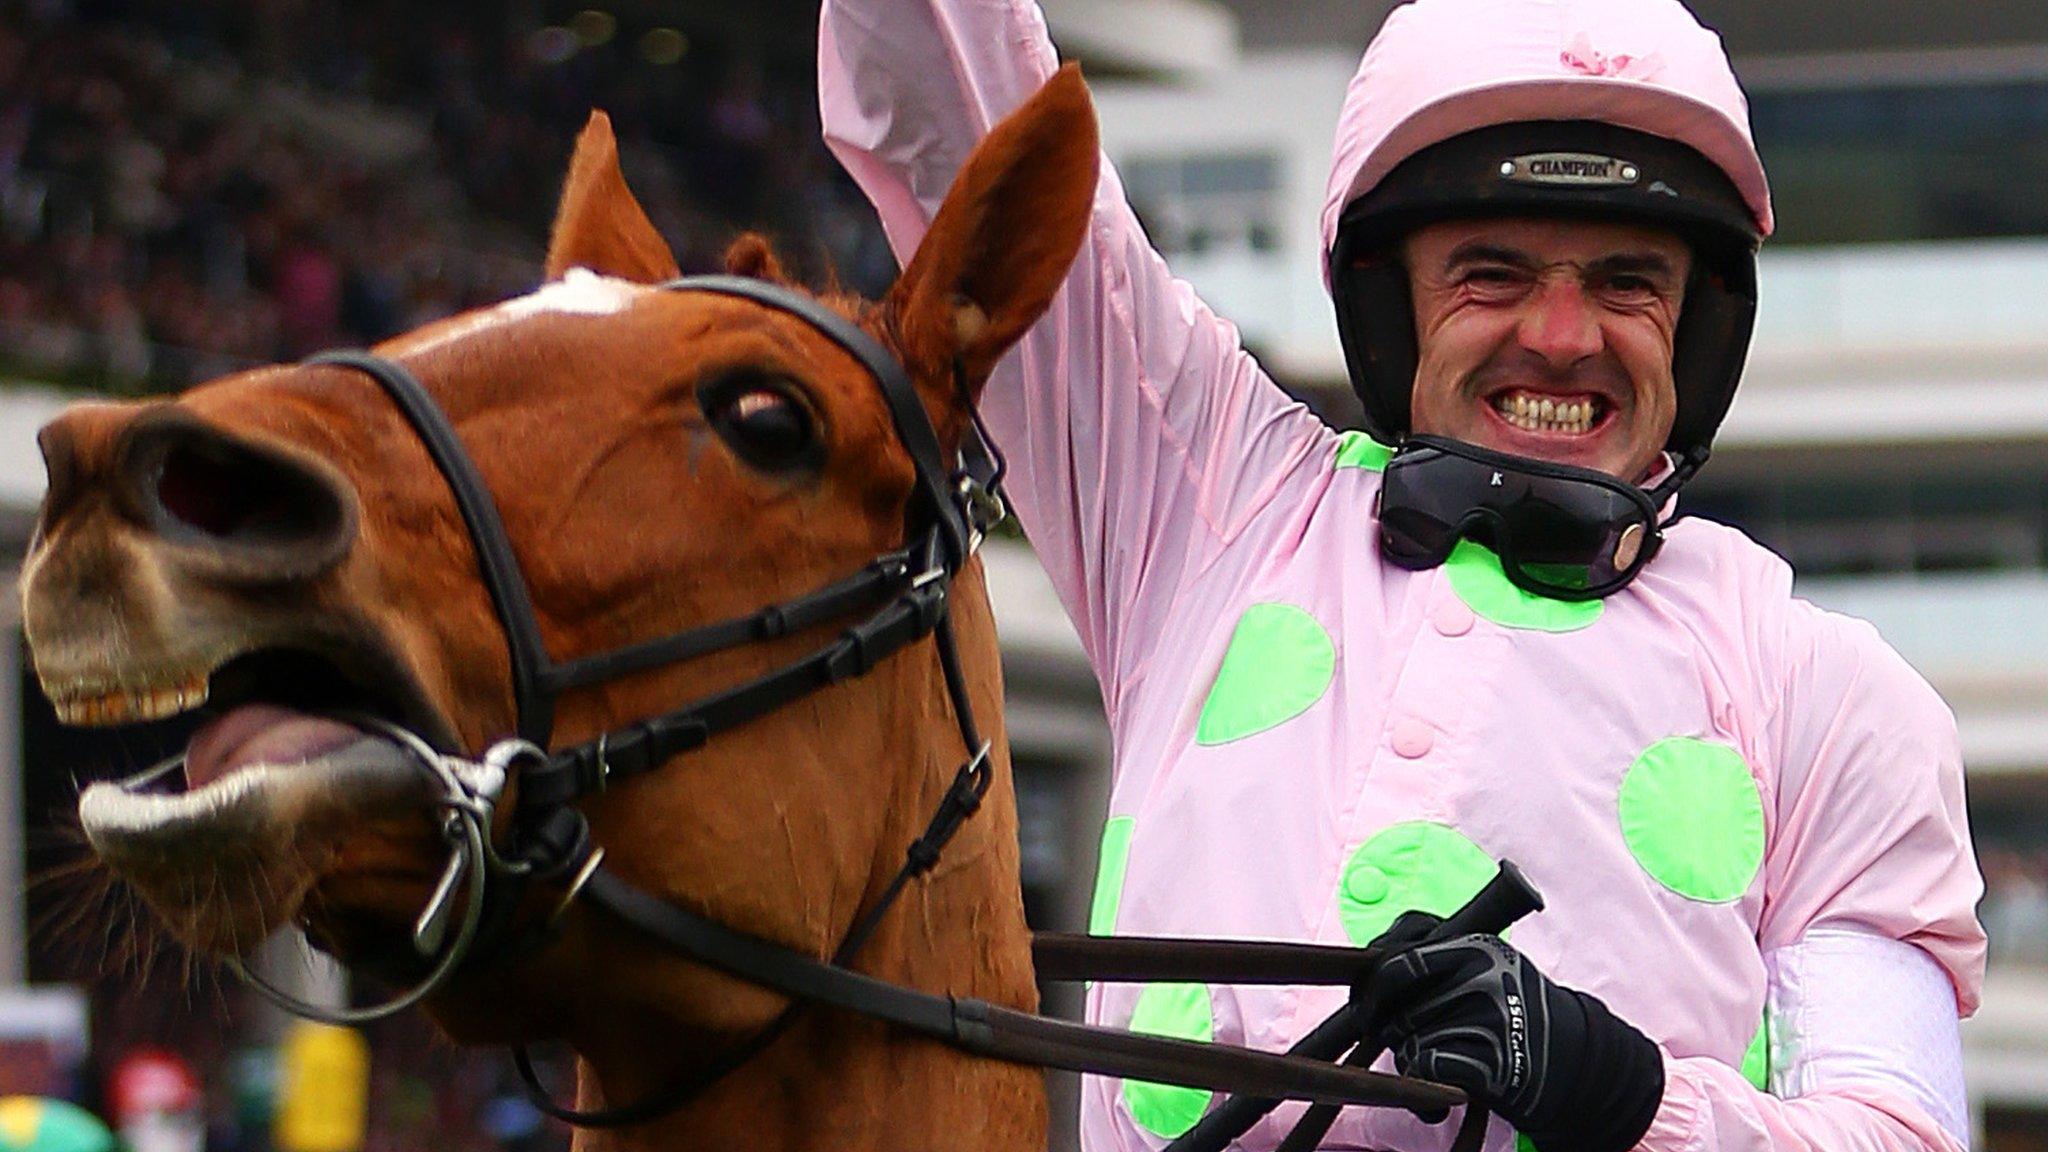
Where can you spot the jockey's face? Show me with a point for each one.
(1549, 339)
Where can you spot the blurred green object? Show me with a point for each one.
(252, 1077)
(39, 1124)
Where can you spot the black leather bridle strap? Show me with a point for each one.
(986, 1029)
(963, 797)
(864, 589)
(1148, 959)
(641, 747)
(495, 561)
(913, 424)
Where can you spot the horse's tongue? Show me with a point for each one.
(260, 734)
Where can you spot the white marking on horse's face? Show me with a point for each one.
(580, 292)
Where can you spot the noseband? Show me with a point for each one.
(547, 839)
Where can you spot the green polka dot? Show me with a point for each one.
(1475, 575)
(1182, 1012)
(1279, 662)
(1357, 450)
(1524, 1144)
(1109, 874)
(1691, 813)
(1415, 865)
(1756, 1062)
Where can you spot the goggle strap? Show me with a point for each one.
(1682, 472)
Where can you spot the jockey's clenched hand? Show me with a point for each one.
(1474, 1013)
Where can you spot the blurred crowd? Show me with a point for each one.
(188, 187)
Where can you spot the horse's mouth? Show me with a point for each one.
(270, 709)
(297, 678)
(226, 845)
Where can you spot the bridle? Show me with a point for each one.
(470, 916)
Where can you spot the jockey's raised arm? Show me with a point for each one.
(1115, 407)
(1745, 813)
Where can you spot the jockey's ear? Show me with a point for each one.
(1004, 238)
(598, 224)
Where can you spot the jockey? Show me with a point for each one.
(1346, 672)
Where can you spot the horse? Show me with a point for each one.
(291, 549)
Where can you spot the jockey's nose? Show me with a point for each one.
(1560, 322)
(259, 512)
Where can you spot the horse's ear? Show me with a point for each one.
(751, 255)
(599, 225)
(1004, 238)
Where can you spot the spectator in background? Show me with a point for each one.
(307, 281)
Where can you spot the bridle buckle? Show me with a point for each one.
(982, 505)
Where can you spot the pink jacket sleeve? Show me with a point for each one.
(1709, 1107)
(1870, 832)
(1115, 406)
(1869, 840)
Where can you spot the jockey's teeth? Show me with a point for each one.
(94, 706)
(1544, 414)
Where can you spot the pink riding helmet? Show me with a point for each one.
(1439, 68)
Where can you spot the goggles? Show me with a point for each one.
(1562, 532)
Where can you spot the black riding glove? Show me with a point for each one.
(1475, 1014)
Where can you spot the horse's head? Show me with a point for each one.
(278, 547)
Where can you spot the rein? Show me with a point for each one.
(905, 595)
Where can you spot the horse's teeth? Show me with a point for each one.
(96, 706)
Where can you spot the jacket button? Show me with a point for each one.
(1451, 617)
(1412, 739)
(1366, 884)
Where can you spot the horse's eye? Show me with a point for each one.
(769, 430)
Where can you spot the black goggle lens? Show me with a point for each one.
(1561, 532)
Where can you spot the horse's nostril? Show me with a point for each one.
(199, 486)
(227, 498)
